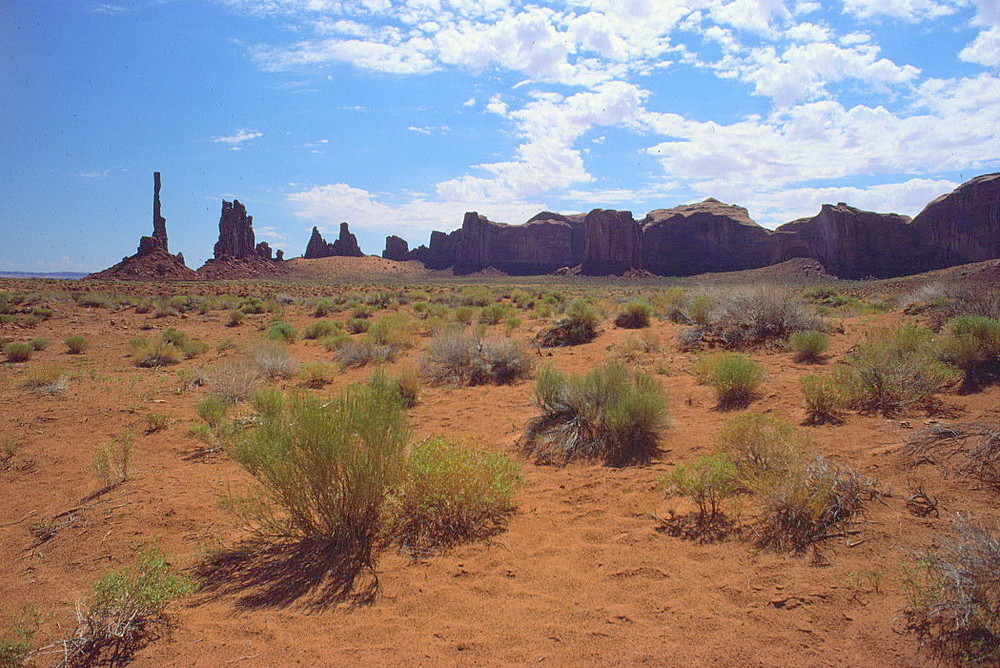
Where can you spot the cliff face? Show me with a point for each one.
(852, 243)
(962, 226)
(612, 243)
(396, 248)
(708, 236)
(537, 247)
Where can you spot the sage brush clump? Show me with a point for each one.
(611, 414)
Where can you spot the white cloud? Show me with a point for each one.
(328, 205)
(406, 58)
(471, 102)
(984, 49)
(784, 205)
(105, 8)
(906, 10)
(240, 137)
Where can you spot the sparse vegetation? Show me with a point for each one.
(324, 468)
(634, 315)
(752, 317)
(123, 607)
(953, 596)
(18, 352)
(735, 378)
(809, 345)
(76, 344)
(894, 371)
(825, 399)
(611, 414)
(316, 374)
(453, 494)
(577, 325)
(113, 462)
(47, 380)
(464, 357)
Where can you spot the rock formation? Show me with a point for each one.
(152, 261)
(236, 238)
(612, 243)
(962, 226)
(346, 245)
(159, 222)
(237, 255)
(708, 236)
(852, 243)
(396, 248)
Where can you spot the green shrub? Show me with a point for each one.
(895, 371)
(235, 318)
(452, 494)
(282, 331)
(324, 468)
(156, 422)
(809, 345)
(953, 594)
(213, 409)
(253, 305)
(708, 481)
(323, 308)
(493, 314)
(18, 352)
(762, 446)
(465, 315)
(577, 325)
(316, 374)
(356, 325)
(320, 329)
(825, 399)
(970, 342)
(735, 378)
(610, 414)
(39, 344)
(76, 344)
(15, 645)
(466, 358)
(634, 315)
(154, 353)
(122, 607)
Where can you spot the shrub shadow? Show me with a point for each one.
(264, 574)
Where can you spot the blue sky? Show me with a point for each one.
(399, 115)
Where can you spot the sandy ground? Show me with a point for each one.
(582, 576)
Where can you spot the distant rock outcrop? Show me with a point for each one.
(707, 236)
(852, 243)
(612, 243)
(237, 255)
(236, 238)
(962, 226)
(396, 248)
(152, 261)
(346, 245)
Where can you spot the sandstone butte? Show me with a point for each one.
(960, 227)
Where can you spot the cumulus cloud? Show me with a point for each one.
(328, 205)
(906, 10)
